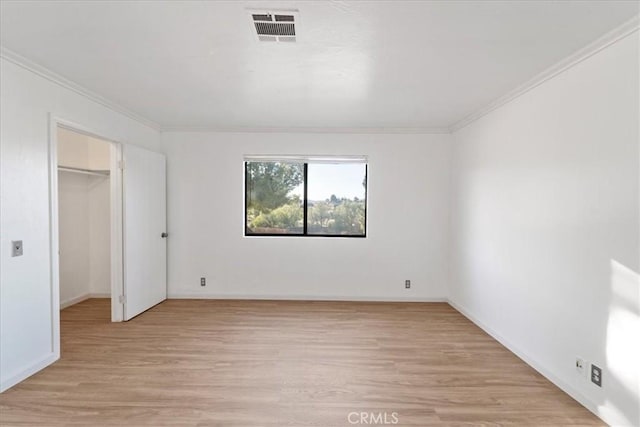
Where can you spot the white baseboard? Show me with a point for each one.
(571, 391)
(26, 373)
(181, 295)
(76, 300)
(100, 295)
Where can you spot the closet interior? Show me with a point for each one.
(84, 217)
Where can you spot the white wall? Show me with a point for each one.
(73, 149)
(408, 216)
(26, 308)
(77, 150)
(74, 243)
(99, 236)
(545, 251)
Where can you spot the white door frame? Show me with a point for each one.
(115, 182)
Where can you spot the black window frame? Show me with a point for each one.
(304, 204)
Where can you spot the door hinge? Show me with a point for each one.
(122, 299)
(121, 164)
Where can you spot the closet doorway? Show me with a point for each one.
(85, 191)
(108, 231)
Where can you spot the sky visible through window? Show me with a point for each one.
(341, 179)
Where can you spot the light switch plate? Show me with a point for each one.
(16, 248)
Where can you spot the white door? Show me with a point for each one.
(144, 227)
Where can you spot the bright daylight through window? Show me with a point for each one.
(306, 197)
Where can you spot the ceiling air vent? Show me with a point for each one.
(274, 26)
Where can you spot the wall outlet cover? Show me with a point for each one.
(596, 375)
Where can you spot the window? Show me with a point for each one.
(306, 197)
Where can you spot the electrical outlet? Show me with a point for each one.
(596, 375)
(407, 284)
(580, 365)
(203, 281)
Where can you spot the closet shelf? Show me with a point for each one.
(84, 171)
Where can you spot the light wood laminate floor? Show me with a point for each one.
(284, 363)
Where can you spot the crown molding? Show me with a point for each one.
(620, 32)
(38, 69)
(304, 129)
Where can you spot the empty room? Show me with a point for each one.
(319, 213)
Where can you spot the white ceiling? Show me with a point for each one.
(357, 64)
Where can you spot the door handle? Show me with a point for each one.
(164, 235)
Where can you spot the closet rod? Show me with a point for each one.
(84, 171)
